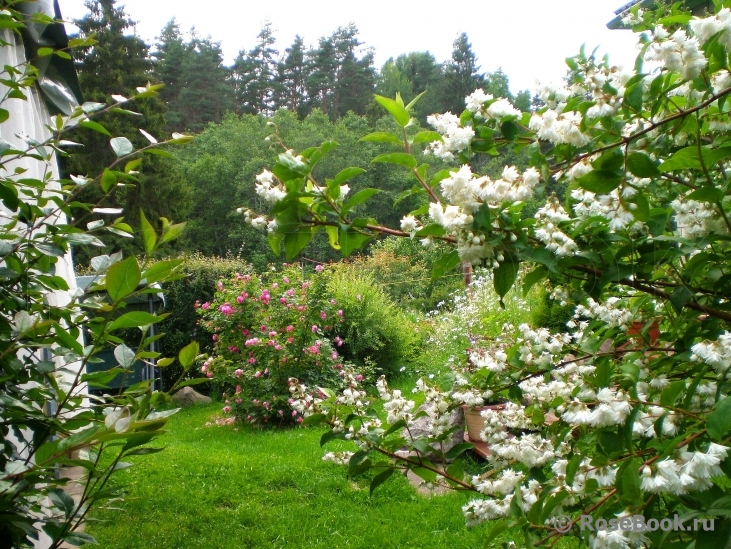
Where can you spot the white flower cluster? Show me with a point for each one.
(338, 458)
(409, 224)
(548, 218)
(455, 138)
(686, 472)
(256, 221)
(611, 312)
(613, 206)
(267, 188)
(494, 359)
(540, 347)
(394, 404)
(706, 28)
(612, 408)
(677, 52)
(436, 405)
(696, 219)
(714, 353)
(501, 108)
(302, 400)
(559, 127)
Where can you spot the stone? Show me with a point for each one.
(420, 428)
(187, 396)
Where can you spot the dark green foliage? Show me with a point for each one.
(196, 90)
(461, 75)
(223, 162)
(254, 75)
(290, 88)
(181, 326)
(119, 64)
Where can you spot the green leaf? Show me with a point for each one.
(351, 240)
(122, 278)
(383, 137)
(347, 174)
(572, 467)
(44, 52)
(398, 111)
(458, 449)
(706, 194)
(601, 181)
(134, 319)
(633, 96)
(359, 197)
(121, 146)
(108, 180)
(496, 531)
(718, 422)
(641, 165)
(148, 233)
(680, 297)
(91, 125)
(628, 482)
(4, 115)
(641, 212)
(380, 478)
(533, 278)
(445, 264)
(188, 354)
(433, 229)
(504, 276)
(672, 392)
(161, 270)
(63, 501)
(427, 137)
(188, 382)
(402, 159)
(295, 242)
(313, 419)
(718, 538)
(124, 355)
(171, 232)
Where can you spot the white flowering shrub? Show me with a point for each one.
(627, 412)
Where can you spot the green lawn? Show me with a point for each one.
(226, 487)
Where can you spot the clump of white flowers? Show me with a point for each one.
(677, 52)
(455, 138)
(267, 188)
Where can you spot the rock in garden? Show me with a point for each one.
(188, 396)
(421, 426)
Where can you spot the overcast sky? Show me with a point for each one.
(528, 39)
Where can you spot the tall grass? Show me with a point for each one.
(472, 315)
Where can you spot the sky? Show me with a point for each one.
(528, 39)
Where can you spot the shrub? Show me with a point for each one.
(181, 325)
(373, 328)
(269, 329)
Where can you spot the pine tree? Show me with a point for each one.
(196, 90)
(118, 64)
(322, 70)
(254, 74)
(461, 76)
(291, 90)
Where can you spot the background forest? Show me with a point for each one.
(308, 92)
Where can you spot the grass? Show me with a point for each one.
(219, 486)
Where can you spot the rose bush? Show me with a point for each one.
(640, 380)
(267, 329)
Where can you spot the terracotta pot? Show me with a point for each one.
(475, 422)
(653, 333)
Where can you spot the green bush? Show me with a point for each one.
(374, 329)
(199, 284)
